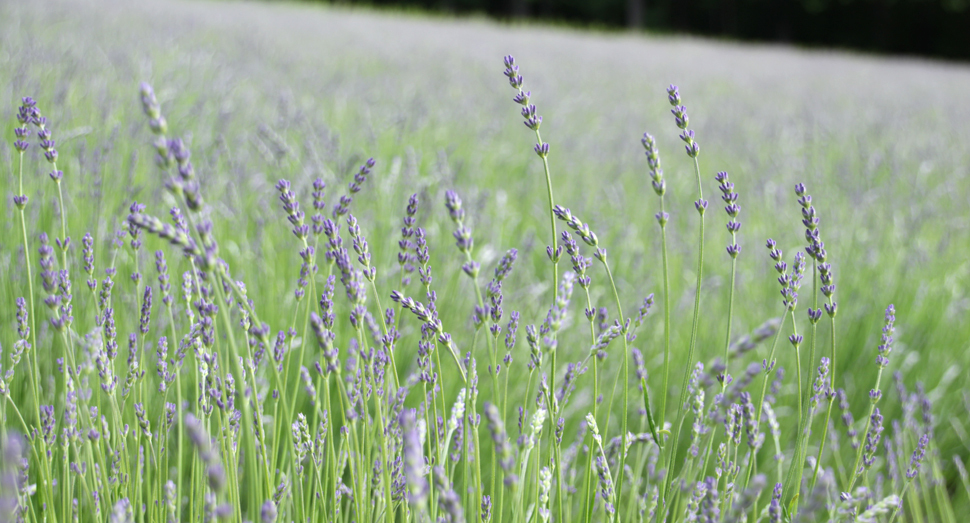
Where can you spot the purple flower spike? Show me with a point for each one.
(732, 209)
(531, 119)
(653, 160)
(156, 122)
(872, 439)
(453, 203)
(888, 329)
(353, 188)
(577, 225)
(292, 208)
(774, 509)
(682, 121)
(918, 454)
(146, 310)
(512, 72)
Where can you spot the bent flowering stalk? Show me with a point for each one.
(533, 121)
(882, 360)
(25, 116)
(693, 150)
(47, 143)
(660, 188)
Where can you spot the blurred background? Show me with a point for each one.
(939, 28)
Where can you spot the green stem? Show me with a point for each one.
(797, 463)
(693, 333)
(727, 350)
(552, 224)
(666, 366)
(854, 473)
(752, 455)
(626, 384)
(63, 247)
(828, 413)
(220, 295)
(34, 374)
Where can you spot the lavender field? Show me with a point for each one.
(380, 299)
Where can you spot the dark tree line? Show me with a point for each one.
(938, 28)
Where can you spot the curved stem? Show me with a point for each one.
(693, 332)
(34, 373)
(727, 352)
(626, 385)
(769, 364)
(858, 457)
(552, 224)
(828, 413)
(796, 464)
(666, 367)
(60, 200)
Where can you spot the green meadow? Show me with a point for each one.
(268, 91)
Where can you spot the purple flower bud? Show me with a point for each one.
(267, 513)
(673, 95)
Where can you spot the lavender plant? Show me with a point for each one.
(348, 413)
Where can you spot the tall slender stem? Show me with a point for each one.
(60, 201)
(552, 225)
(555, 297)
(854, 473)
(626, 384)
(666, 367)
(797, 461)
(693, 330)
(34, 373)
(769, 362)
(828, 412)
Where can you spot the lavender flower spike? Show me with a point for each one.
(917, 459)
(886, 347)
(682, 121)
(653, 160)
(413, 458)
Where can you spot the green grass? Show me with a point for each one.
(880, 143)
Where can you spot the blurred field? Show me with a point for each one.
(264, 92)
